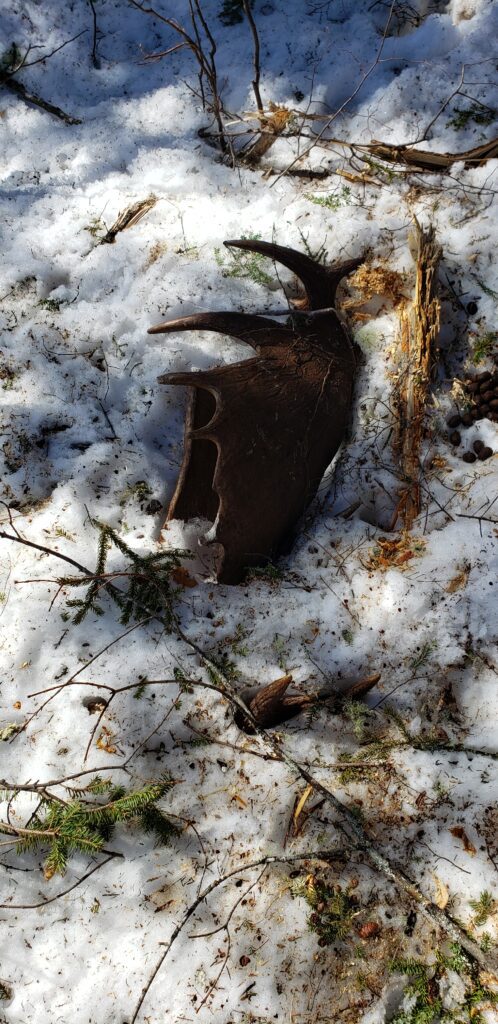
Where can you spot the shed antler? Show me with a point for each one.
(260, 434)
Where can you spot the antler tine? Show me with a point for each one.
(257, 331)
(320, 283)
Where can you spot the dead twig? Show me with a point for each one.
(95, 32)
(206, 60)
(32, 98)
(7, 78)
(65, 892)
(335, 853)
(256, 57)
(330, 120)
(421, 160)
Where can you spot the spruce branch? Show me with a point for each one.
(83, 824)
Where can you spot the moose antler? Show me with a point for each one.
(260, 434)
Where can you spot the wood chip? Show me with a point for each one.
(129, 217)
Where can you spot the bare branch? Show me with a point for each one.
(30, 97)
(336, 853)
(58, 896)
(257, 66)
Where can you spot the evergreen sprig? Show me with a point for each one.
(148, 578)
(333, 908)
(425, 989)
(84, 824)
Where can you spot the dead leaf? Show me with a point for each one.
(182, 576)
(459, 832)
(442, 895)
(459, 581)
(487, 979)
(104, 741)
(299, 815)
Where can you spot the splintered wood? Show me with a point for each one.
(272, 125)
(419, 327)
(421, 160)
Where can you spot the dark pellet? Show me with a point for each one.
(455, 437)
(485, 375)
(493, 416)
(485, 453)
(153, 506)
(493, 403)
(467, 419)
(469, 457)
(472, 308)
(478, 446)
(473, 387)
(484, 410)
(453, 421)
(475, 413)
(488, 395)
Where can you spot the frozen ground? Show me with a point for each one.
(84, 421)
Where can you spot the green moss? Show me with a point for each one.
(139, 492)
(479, 113)
(241, 263)
(484, 346)
(334, 201)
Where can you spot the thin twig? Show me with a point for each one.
(343, 105)
(95, 60)
(256, 58)
(46, 56)
(321, 855)
(30, 97)
(51, 899)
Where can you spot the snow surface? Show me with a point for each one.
(83, 420)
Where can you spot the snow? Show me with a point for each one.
(83, 420)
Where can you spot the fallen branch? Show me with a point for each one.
(422, 160)
(256, 56)
(321, 855)
(30, 97)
